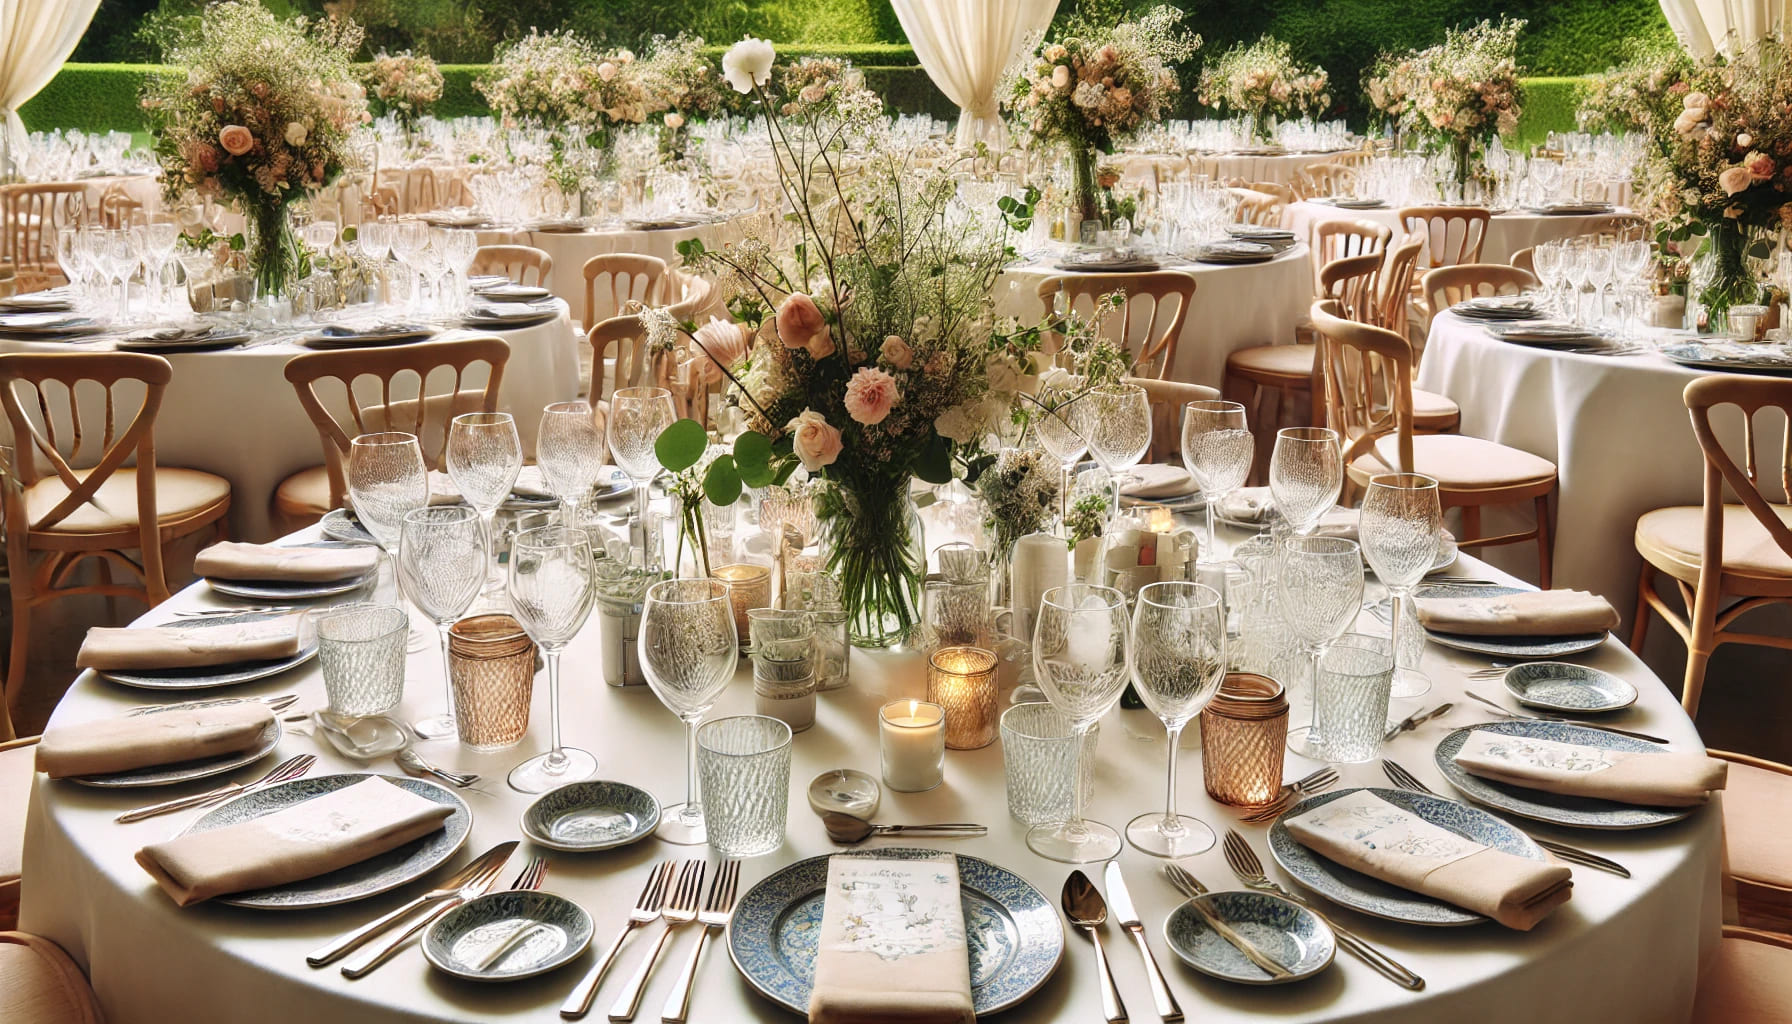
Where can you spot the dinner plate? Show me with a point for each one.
(341, 524)
(1012, 930)
(187, 771)
(370, 877)
(276, 590)
(1703, 356)
(511, 292)
(1375, 897)
(558, 930)
(206, 677)
(209, 341)
(348, 337)
(1505, 646)
(1292, 935)
(1554, 808)
(588, 816)
(1560, 686)
(47, 325)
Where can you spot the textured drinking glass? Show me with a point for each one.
(833, 652)
(1178, 663)
(782, 648)
(744, 763)
(484, 458)
(637, 417)
(1080, 658)
(688, 653)
(491, 662)
(1116, 419)
(1039, 761)
(552, 586)
(1350, 708)
(1217, 448)
(1306, 472)
(962, 680)
(1400, 520)
(1243, 730)
(441, 566)
(956, 614)
(361, 652)
(1321, 592)
(960, 561)
(386, 479)
(570, 450)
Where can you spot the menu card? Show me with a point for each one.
(892, 947)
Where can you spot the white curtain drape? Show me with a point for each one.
(964, 45)
(36, 37)
(1705, 27)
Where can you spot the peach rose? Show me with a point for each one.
(606, 71)
(821, 345)
(236, 139)
(800, 322)
(722, 345)
(816, 443)
(675, 120)
(897, 353)
(1733, 180)
(1760, 166)
(869, 395)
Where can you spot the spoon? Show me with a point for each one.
(1086, 909)
(844, 828)
(414, 764)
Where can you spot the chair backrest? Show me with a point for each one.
(417, 189)
(621, 341)
(1157, 334)
(1335, 239)
(1355, 157)
(32, 214)
(1167, 398)
(515, 262)
(381, 202)
(1353, 281)
(340, 407)
(1396, 284)
(1749, 395)
(1368, 383)
(1280, 190)
(1622, 226)
(1324, 179)
(631, 276)
(1526, 259)
(1446, 286)
(1258, 208)
(117, 208)
(1453, 234)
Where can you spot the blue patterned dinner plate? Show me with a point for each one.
(1554, 808)
(1289, 933)
(295, 590)
(1013, 931)
(1375, 897)
(1505, 646)
(205, 677)
(1560, 686)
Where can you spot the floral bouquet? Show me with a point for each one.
(1464, 90)
(1261, 81)
(404, 85)
(263, 118)
(561, 81)
(681, 82)
(1636, 95)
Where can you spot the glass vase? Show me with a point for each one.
(872, 542)
(274, 252)
(1720, 274)
(1085, 197)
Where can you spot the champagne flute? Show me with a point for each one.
(1217, 448)
(441, 564)
(484, 458)
(1306, 474)
(570, 450)
(552, 586)
(1321, 592)
(1079, 657)
(1178, 663)
(689, 650)
(637, 417)
(386, 480)
(1400, 519)
(1116, 420)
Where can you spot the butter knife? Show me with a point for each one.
(1416, 719)
(1127, 916)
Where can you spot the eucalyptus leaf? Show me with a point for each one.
(752, 455)
(680, 445)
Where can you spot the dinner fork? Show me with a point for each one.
(647, 909)
(1244, 863)
(1506, 712)
(254, 609)
(1399, 776)
(364, 964)
(276, 704)
(285, 771)
(470, 881)
(680, 909)
(414, 764)
(1322, 779)
(717, 910)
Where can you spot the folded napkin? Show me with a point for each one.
(1651, 778)
(107, 649)
(1248, 505)
(892, 947)
(1339, 522)
(144, 741)
(1365, 833)
(303, 841)
(232, 560)
(1156, 480)
(1532, 613)
(529, 484)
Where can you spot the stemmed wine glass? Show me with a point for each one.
(688, 649)
(1575, 269)
(1217, 448)
(637, 417)
(1058, 435)
(570, 451)
(441, 564)
(1321, 592)
(409, 239)
(484, 458)
(374, 239)
(70, 255)
(1599, 275)
(1630, 260)
(1080, 658)
(386, 480)
(552, 587)
(1178, 663)
(1306, 474)
(1400, 519)
(159, 238)
(1546, 258)
(1116, 421)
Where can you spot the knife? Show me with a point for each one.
(1416, 719)
(1127, 916)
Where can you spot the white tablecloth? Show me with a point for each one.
(1622, 950)
(1507, 233)
(1280, 168)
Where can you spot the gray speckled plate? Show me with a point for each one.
(210, 676)
(370, 877)
(1506, 646)
(1383, 899)
(557, 930)
(277, 590)
(341, 524)
(1555, 808)
(594, 815)
(1560, 686)
(1292, 935)
(187, 771)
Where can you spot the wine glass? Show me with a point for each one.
(1306, 473)
(1178, 663)
(484, 458)
(1400, 519)
(637, 417)
(441, 564)
(160, 237)
(1599, 275)
(552, 586)
(1321, 592)
(70, 255)
(570, 450)
(1079, 658)
(1056, 429)
(1217, 448)
(1546, 258)
(409, 239)
(1116, 421)
(1574, 268)
(386, 480)
(688, 650)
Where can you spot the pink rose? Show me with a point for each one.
(821, 345)
(897, 353)
(1734, 180)
(675, 120)
(1760, 166)
(869, 395)
(813, 93)
(816, 443)
(800, 322)
(606, 71)
(236, 139)
(722, 345)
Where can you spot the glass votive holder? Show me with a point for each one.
(956, 614)
(361, 652)
(911, 738)
(833, 652)
(962, 680)
(491, 665)
(782, 648)
(743, 769)
(961, 561)
(1350, 711)
(1039, 759)
(749, 586)
(1243, 730)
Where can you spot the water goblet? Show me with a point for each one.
(1178, 663)
(552, 587)
(570, 450)
(1306, 473)
(1116, 420)
(637, 417)
(441, 564)
(1055, 426)
(1079, 658)
(386, 480)
(484, 457)
(1321, 592)
(1217, 448)
(1599, 274)
(1400, 519)
(689, 648)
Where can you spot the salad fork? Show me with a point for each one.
(1322, 779)
(471, 880)
(646, 910)
(680, 909)
(285, 771)
(717, 911)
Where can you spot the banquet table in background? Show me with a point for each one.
(1507, 232)
(1620, 950)
(1281, 168)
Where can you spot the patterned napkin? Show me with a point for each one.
(1651, 778)
(892, 947)
(144, 741)
(233, 560)
(107, 649)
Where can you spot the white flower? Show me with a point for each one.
(748, 63)
(961, 423)
(675, 120)
(1004, 375)
(295, 133)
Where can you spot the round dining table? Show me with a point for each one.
(1507, 232)
(1620, 949)
(1278, 166)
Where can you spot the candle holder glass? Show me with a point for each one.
(912, 744)
(782, 648)
(491, 661)
(1242, 732)
(962, 680)
(956, 614)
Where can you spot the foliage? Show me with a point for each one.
(1633, 96)
(1019, 493)
(1464, 89)
(1086, 518)
(562, 80)
(403, 84)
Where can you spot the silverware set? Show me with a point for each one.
(1505, 712)
(276, 704)
(1457, 583)
(1126, 915)
(1324, 778)
(847, 829)
(1416, 719)
(717, 909)
(285, 771)
(252, 609)
(472, 880)
(364, 963)
(1086, 910)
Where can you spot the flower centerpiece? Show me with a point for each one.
(1262, 82)
(262, 118)
(1636, 95)
(680, 82)
(1463, 91)
(405, 85)
(1094, 88)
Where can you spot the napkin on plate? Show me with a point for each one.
(156, 647)
(892, 947)
(1531, 613)
(1651, 778)
(303, 841)
(1365, 833)
(144, 741)
(1248, 505)
(233, 560)
(1157, 480)
(444, 491)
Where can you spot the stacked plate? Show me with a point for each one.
(47, 324)
(1276, 238)
(189, 338)
(510, 315)
(282, 591)
(371, 335)
(1235, 253)
(205, 677)
(1554, 808)
(1545, 334)
(1497, 308)
(689, 220)
(461, 218)
(54, 300)
(1103, 261)
(1354, 203)
(1730, 357)
(509, 291)
(1572, 209)
(561, 226)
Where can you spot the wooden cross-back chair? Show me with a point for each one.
(1259, 208)
(118, 208)
(1316, 181)
(1721, 551)
(71, 497)
(1336, 239)
(1525, 259)
(632, 276)
(1397, 284)
(519, 263)
(1155, 351)
(31, 215)
(1167, 397)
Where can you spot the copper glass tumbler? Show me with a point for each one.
(491, 663)
(1242, 733)
(963, 681)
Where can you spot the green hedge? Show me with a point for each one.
(1549, 105)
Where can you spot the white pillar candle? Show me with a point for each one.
(912, 736)
(1041, 562)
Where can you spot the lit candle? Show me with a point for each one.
(962, 680)
(749, 586)
(912, 735)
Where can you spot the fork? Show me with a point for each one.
(285, 771)
(1509, 713)
(1322, 779)
(363, 965)
(1244, 863)
(254, 609)
(717, 909)
(469, 882)
(414, 764)
(1399, 776)
(646, 910)
(680, 909)
(276, 704)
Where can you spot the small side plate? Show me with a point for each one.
(589, 816)
(845, 791)
(555, 931)
(1289, 933)
(1560, 686)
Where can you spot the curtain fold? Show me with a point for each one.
(36, 37)
(1705, 27)
(964, 45)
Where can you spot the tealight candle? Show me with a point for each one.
(912, 737)
(962, 680)
(749, 586)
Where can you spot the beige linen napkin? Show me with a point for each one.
(107, 649)
(1652, 779)
(303, 841)
(143, 741)
(892, 947)
(1366, 833)
(1531, 613)
(1248, 505)
(1157, 480)
(232, 560)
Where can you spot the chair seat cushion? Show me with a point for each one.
(1432, 411)
(39, 984)
(1673, 540)
(181, 494)
(1290, 361)
(1746, 981)
(304, 494)
(1460, 463)
(1757, 824)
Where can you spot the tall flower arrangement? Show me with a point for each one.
(680, 82)
(405, 85)
(262, 118)
(1463, 91)
(1261, 80)
(1636, 95)
(562, 81)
